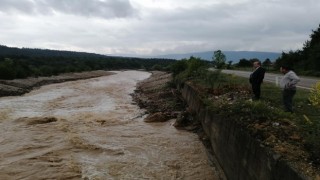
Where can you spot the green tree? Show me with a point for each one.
(305, 61)
(7, 70)
(229, 65)
(219, 59)
(195, 66)
(266, 63)
(157, 67)
(244, 63)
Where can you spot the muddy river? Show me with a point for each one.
(91, 129)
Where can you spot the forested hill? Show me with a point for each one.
(25, 62)
(13, 51)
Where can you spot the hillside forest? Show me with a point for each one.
(25, 62)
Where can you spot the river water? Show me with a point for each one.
(91, 129)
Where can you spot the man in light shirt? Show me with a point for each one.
(288, 84)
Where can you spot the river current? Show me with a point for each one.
(91, 129)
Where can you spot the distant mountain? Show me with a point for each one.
(233, 56)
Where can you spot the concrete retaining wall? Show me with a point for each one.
(240, 155)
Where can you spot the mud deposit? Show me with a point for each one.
(91, 129)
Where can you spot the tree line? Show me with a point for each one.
(22, 63)
(219, 61)
(305, 61)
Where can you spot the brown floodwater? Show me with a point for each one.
(91, 129)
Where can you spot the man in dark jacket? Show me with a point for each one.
(256, 78)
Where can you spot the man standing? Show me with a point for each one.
(256, 78)
(288, 84)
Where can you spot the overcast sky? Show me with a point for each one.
(153, 27)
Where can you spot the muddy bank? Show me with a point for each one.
(21, 86)
(164, 103)
(159, 101)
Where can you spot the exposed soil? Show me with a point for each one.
(163, 102)
(21, 86)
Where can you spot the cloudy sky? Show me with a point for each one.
(154, 27)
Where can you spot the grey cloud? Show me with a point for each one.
(88, 8)
(234, 21)
(201, 23)
(267, 25)
(16, 6)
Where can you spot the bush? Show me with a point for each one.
(211, 77)
(311, 132)
(315, 95)
(156, 67)
(179, 67)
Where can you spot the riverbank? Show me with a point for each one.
(164, 103)
(18, 87)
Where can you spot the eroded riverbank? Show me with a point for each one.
(18, 87)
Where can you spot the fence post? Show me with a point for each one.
(277, 80)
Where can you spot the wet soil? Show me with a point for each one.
(163, 102)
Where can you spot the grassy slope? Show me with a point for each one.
(294, 136)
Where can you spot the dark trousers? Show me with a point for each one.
(287, 96)
(256, 90)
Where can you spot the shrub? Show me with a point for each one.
(212, 77)
(315, 95)
(178, 67)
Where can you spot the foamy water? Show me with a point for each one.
(91, 129)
